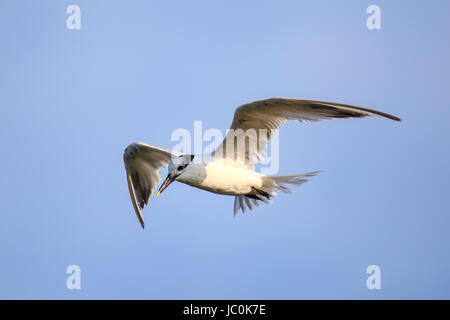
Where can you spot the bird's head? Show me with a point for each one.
(176, 167)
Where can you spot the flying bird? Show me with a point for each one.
(232, 173)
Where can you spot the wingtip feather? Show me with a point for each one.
(133, 200)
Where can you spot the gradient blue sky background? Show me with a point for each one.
(71, 101)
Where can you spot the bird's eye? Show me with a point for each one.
(180, 168)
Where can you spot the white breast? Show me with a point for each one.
(221, 176)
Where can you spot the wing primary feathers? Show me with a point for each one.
(380, 113)
(133, 200)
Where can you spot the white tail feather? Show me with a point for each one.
(269, 187)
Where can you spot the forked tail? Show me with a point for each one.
(268, 190)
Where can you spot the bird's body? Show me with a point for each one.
(232, 173)
(221, 176)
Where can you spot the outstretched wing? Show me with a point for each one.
(270, 114)
(142, 164)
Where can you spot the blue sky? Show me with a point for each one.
(72, 100)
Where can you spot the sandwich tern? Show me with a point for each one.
(232, 173)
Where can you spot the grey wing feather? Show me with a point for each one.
(270, 114)
(243, 203)
(142, 164)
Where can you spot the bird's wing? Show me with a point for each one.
(142, 164)
(270, 114)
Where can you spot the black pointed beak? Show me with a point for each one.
(165, 184)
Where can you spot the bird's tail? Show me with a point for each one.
(268, 190)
